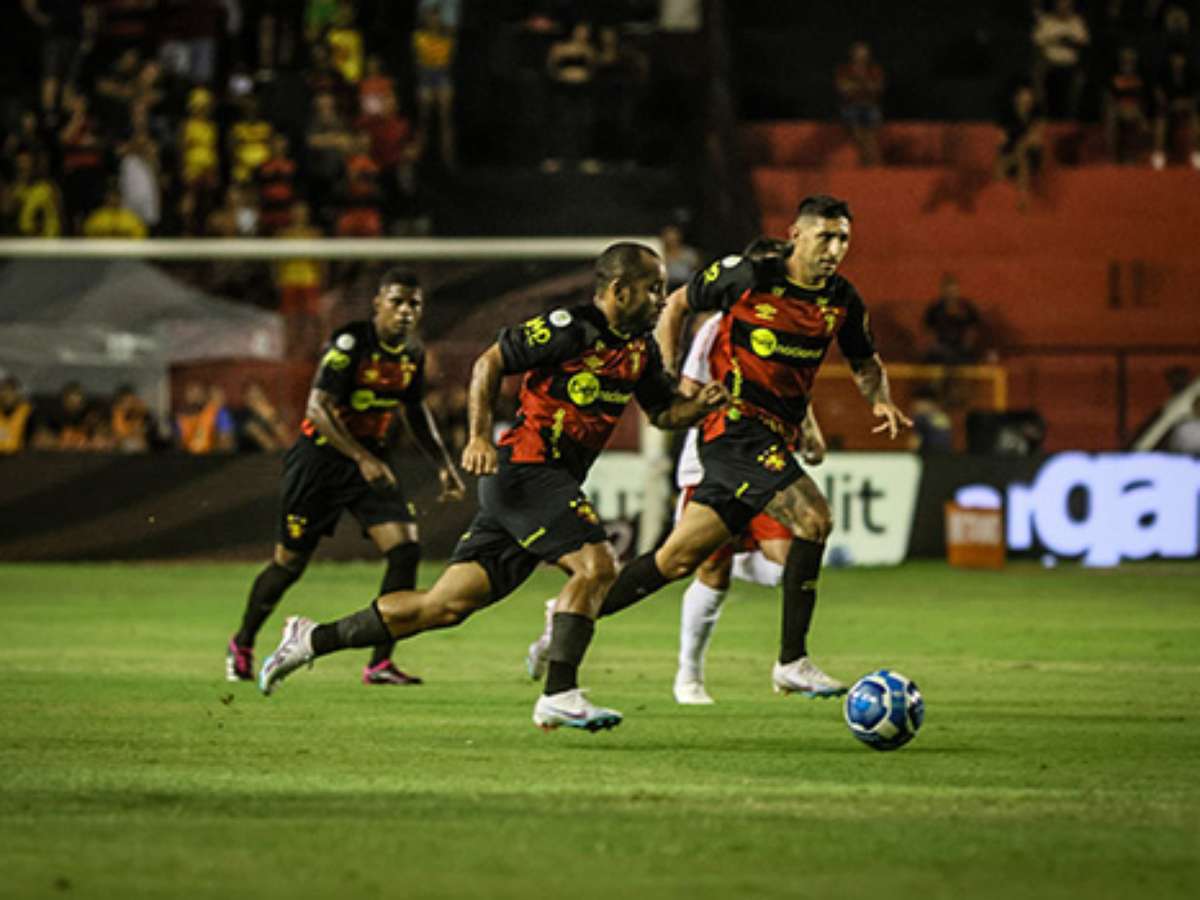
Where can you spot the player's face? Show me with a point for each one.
(397, 310)
(641, 298)
(819, 246)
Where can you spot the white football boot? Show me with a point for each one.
(689, 690)
(294, 650)
(537, 656)
(574, 710)
(801, 676)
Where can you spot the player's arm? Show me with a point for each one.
(666, 405)
(670, 326)
(322, 411)
(479, 455)
(812, 440)
(872, 381)
(424, 430)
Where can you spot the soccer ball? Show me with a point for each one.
(884, 710)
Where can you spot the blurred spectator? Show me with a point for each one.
(395, 150)
(328, 142)
(1126, 108)
(1175, 98)
(28, 137)
(1020, 155)
(954, 324)
(276, 187)
(83, 161)
(622, 72)
(237, 216)
(15, 412)
(126, 24)
(571, 66)
(249, 140)
(375, 89)
(1185, 436)
(318, 15)
(360, 193)
(279, 23)
(66, 25)
(203, 424)
(682, 260)
(933, 430)
(72, 424)
(433, 55)
(34, 205)
(130, 423)
(199, 161)
(300, 282)
(323, 78)
(449, 11)
(112, 219)
(191, 29)
(1060, 36)
(345, 44)
(860, 83)
(115, 91)
(260, 428)
(140, 176)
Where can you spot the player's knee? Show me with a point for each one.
(815, 525)
(454, 611)
(714, 574)
(598, 570)
(679, 562)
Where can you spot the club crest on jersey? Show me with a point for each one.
(583, 388)
(772, 459)
(765, 311)
(344, 342)
(763, 342)
(584, 509)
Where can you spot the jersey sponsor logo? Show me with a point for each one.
(765, 311)
(363, 400)
(583, 388)
(536, 331)
(560, 317)
(763, 342)
(336, 360)
(344, 342)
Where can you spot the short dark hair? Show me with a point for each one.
(622, 260)
(824, 206)
(399, 275)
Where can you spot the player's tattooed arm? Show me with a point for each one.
(322, 411)
(423, 427)
(685, 412)
(670, 327)
(872, 381)
(479, 455)
(812, 440)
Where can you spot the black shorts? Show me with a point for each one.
(318, 483)
(744, 467)
(528, 513)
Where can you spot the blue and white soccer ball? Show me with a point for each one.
(884, 710)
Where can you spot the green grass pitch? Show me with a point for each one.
(1060, 755)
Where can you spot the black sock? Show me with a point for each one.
(639, 579)
(800, 574)
(570, 634)
(400, 575)
(364, 628)
(264, 597)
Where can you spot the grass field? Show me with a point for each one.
(1060, 755)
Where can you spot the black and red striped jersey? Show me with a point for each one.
(579, 377)
(773, 338)
(370, 380)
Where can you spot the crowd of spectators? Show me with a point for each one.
(202, 422)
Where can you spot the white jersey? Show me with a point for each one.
(690, 472)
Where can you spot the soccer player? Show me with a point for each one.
(582, 367)
(782, 311)
(371, 372)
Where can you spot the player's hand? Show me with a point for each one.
(713, 395)
(479, 457)
(812, 447)
(893, 418)
(377, 474)
(452, 486)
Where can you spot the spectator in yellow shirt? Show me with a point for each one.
(346, 45)
(14, 417)
(112, 220)
(433, 52)
(33, 198)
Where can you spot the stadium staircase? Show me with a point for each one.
(1083, 291)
